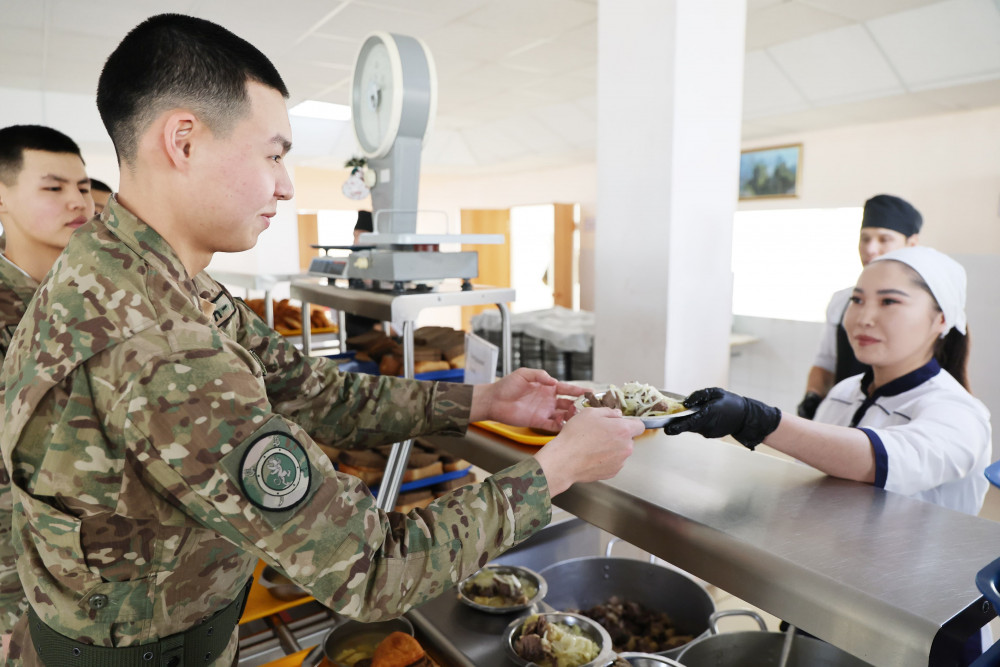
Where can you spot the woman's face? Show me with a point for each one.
(892, 321)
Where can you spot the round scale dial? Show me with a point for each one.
(387, 94)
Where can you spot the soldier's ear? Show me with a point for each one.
(179, 133)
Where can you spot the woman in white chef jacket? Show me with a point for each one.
(909, 425)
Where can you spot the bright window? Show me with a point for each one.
(787, 263)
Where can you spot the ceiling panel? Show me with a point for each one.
(584, 37)
(26, 42)
(965, 97)
(551, 58)
(23, 15)
(533, 19)
(447, 148)
(518, 77)
(958, 40)
(487, 145)
(574, 123)
(447, 10)
(320, 47)
(864, 10)
(858, 71)
(766, 89)
(110, 19)
(357, 20)
(461, 40)
(786, 21)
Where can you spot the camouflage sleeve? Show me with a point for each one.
(213, 447)
(349, 410)
(12, 600)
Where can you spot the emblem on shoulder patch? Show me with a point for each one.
(224, 308)
(275, 472)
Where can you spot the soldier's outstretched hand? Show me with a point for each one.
(593, 445)
(526, 397)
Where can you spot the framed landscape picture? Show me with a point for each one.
(770, 172)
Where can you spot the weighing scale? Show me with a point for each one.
(393, 102)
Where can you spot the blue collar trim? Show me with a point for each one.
(914, 378)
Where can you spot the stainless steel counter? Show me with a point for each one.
(887, 578)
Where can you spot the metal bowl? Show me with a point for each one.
(280, 586)
(648, 660)
(342, 636)
(521, 572)
(590, 629)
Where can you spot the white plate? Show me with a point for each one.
(662, 420)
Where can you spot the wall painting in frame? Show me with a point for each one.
(770, 172)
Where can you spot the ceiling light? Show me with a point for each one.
(325, 110)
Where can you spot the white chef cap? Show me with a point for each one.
(944, 276)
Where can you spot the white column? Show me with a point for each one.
(670, 90)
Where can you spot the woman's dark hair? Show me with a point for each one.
(952, 352)
(173, 61)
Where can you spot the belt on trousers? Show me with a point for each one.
(199, 645)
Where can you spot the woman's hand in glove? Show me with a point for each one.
(720, 412)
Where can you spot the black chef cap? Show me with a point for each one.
(364, 222)
(893, 213)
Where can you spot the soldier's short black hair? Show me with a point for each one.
(170, 61)
(100, 186)
(15, 139)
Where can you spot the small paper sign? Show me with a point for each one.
(480, 360)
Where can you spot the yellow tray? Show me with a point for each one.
(520, 434)
(261, 603)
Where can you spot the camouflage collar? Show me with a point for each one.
(16, 280)
(144, 241)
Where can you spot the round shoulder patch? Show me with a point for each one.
(275, 472)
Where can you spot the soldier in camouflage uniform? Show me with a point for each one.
(161, 438)
(44, 197)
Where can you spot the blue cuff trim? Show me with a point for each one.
(881, 457)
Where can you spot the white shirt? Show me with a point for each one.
(931, 438)
(826, 358)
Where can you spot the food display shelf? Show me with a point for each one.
(402, 310)
(262, 282)
(887, 578)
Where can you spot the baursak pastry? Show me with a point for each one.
(400, 650)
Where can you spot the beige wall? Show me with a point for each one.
(947, 165)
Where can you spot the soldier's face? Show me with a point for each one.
(243, 176)
(48, 201)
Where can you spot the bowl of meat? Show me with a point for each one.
(502, 589)
(654, 407)
(558, 639)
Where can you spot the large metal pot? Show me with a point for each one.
(342, 635)
(581, 583)
(761, 649)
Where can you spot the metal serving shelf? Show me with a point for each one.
(887, 578)
(401, 309)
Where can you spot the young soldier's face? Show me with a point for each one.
(49, 199)
(243, 175)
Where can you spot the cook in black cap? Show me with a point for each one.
(888, 223)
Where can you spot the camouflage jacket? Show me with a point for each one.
(16, 290)
(160, 438)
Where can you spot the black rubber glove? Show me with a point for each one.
(807, 408)
(721, 412)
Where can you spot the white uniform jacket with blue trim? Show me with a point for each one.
(931, 438)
